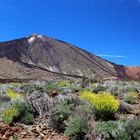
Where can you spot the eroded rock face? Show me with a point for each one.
(42, 104)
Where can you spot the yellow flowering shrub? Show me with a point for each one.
(8, 115)
(88, 96)
(104, 104)
(12, 94)
(63, 84)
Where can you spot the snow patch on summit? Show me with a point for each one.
(30, 40)
(33, 37)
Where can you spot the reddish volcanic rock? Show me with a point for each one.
(132, 72)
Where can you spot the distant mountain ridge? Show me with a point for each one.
(42, 57)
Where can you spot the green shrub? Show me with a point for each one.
(23, 107)
(53, 86)
(60, 112)
(104, 104)
(28, 88)
(8, 115)
(18, 112)
(1, 102)
(94, 85)
(15, 84)
(85, 108)
(59, 86)
(119, 130)
(111, 130)
(50, 86)
(132, 89)
(28, 119)
(85, 111)
(99, 88)
(15, 137)
(131, 97)
(76, 128)
(26, 113)
(133, 129)
(62, 84)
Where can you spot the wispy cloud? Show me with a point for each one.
(111, 56)
(124, 1)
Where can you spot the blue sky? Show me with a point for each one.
(108, 28)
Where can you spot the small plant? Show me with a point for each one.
(14, 84)
(18, 112)
(94, 85)
(28, 119)
(61, 110)
(133, 129)
(119, 130)
(26, 113)
(132, 89)
(85, 108)
(12, 94)
(1, 102)
(112, 130)
(63, 84)
(99, 88)
(8, 115)
(23, 106)
(59, 113)
(85, 111)
(131, 97)
(15, 137)
(76, 128)
(28, 88)
(50, 86)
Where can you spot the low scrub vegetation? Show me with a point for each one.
(119, 130)
(86, 110)
(8, 115)
(60, 112)
(12, 94)
(19, 111)
(77, 128)
(131, 97)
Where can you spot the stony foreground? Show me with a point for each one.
(34, 132)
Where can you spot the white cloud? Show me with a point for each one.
(124, 1)
(108, 55)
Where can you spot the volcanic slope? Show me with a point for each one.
(42, 57)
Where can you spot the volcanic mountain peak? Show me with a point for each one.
(32, 37)
(39, 56)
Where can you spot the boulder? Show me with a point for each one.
(128, 108)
